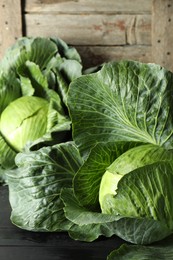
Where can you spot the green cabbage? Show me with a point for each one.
(35, 74)
(116, 176)
(129, 161)
(23, 120)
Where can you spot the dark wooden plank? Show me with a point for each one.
(20, 244)
(5, 208)
(51, 253)
(96, 55)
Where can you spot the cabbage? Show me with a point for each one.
(123, 127)
(23, 120)
(130, 160)
(116, 176)
(35, 74)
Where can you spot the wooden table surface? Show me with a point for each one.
(19, 244)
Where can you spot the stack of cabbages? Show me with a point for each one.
(90, 154)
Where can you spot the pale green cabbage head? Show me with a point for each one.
(24, 120)
(35, 74)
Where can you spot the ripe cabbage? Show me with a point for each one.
(24, 119)
(115, 177)
(35, 74)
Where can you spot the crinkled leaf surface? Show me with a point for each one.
(34, 82)
(38, 50)
(134, 158)
(37, 66)
(148, 193)
(141, 230)
(35, 188)
(144, 196)
(89, 225)
(124, 101)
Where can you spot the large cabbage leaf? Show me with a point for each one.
(161, 251)
(88, 225)
(124, 101)
(37, 185)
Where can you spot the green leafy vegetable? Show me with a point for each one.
(37, 185)
(124, 101)
(35, 74)
(24, 119)
(132, 159)
(87, 180)
(116, 175)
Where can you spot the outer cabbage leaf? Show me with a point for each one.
(37, 185)
(38, 50)
(160, 251)
(59, 62)
(147, 197)
(66, 51)
(7, 160)
(148, 193)
(134, 158)
(124, 101)
(10, 89)
(89, 225)
(80, 215)
(36, 83)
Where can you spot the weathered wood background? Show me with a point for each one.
(100, 30)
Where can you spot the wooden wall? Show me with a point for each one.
(10, 23)
(101, 30)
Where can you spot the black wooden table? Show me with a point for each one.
(19, 244)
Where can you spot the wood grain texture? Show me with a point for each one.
(162, 36)
(99, 29)
(96, 55)
(89, 6)
(10, 23)
(89, 29)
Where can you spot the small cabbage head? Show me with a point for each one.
(24, 120)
